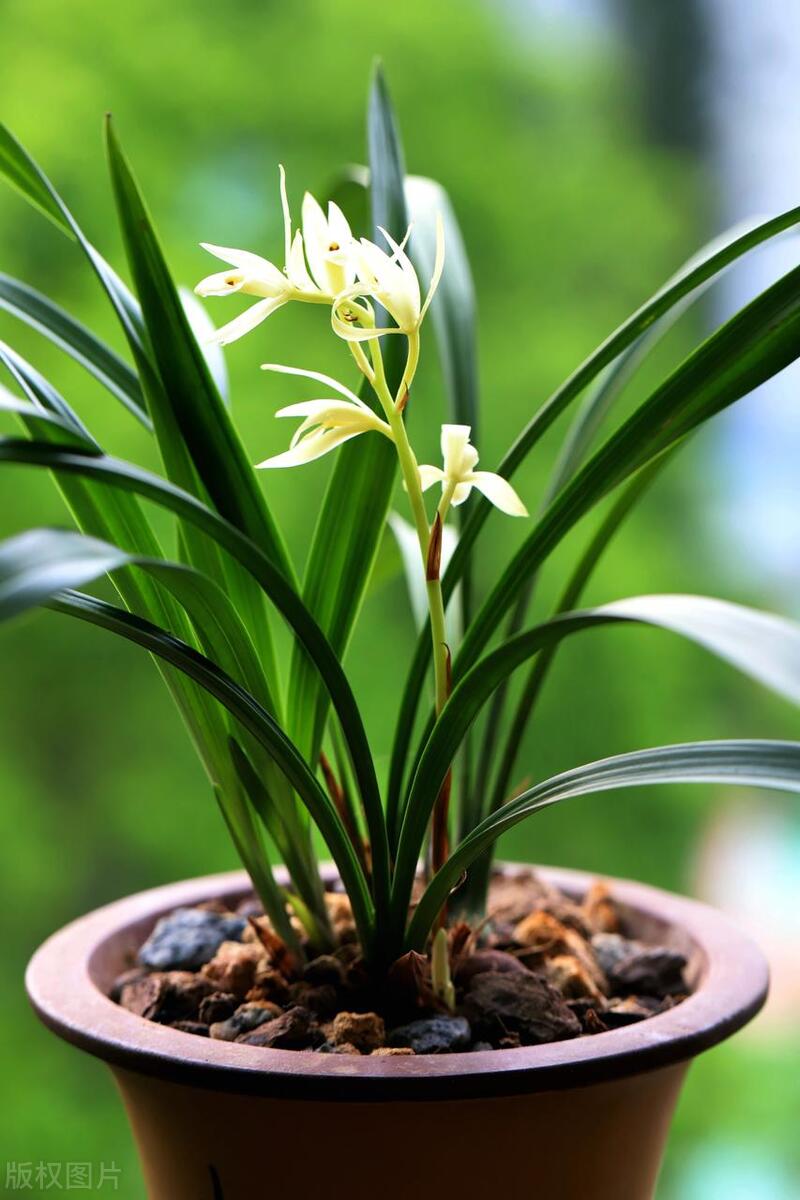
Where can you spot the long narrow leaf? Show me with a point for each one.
(130, 478)
(38, 566)
(757, 764)
(753, 346)
(765, 647)
(79, 342)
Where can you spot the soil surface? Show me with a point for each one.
(542, 967)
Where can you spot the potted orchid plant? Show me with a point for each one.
(409, 977)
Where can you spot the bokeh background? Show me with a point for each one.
(589, 147)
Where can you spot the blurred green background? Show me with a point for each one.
(579, 190)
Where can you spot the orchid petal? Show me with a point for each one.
(251, 264)
(352, 333)
(287, 216)
(328, 380)
(454, 445)
(315, 234)
(247, 320)
(460, 493)
(428, 476)
(221, 283)
(310, 448)
(438, 266)
(296, 267)
(499, 491)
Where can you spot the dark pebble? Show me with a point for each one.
(653, 970)
(611, 949)
(166, 997)
(322, 1000)
(487, 960)
(433, 1035)
(218, 1007)
(523, 1005)
(296, 1029)
(188, 938)
(324, 970)
(246, 1018)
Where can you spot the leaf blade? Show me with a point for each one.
(766, 764)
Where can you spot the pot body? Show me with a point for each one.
(601, 1142)
(585, 1119)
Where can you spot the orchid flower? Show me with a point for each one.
(391, 280)
(327, 423)
(458, 477)
(317, 267)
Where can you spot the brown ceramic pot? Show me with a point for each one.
(586, 1118)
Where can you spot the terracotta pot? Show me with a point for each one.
(586, 1118)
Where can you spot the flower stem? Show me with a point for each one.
(410, 472)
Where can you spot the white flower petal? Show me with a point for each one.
(251, 264)
(499, 491)
(247, 320)
(287, 216)
(328, 380)
(296, 268)
(316, 237)
(353, 333)
(428, 476)
(221, 283)
(454, 442)
(331, 412)
(438, 265)
(310, 448)
(340, 236)
(460, 493)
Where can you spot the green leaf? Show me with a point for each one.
(79, 342)
(27, 176)
(197, 406)
(612, 522)
(256, 720)
(754, 345)
(23, 174)
(116, 474)
(196, 419)
(36, 567)
(760, 764)
(250, 847)
(257, 784)
(42, 422)
(765, 647)
(599, 401)
(43, 395)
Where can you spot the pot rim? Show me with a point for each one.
(731, 989)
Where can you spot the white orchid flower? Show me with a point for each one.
(391, 280)
(459, 476)
(317, 267)
(327, 423)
